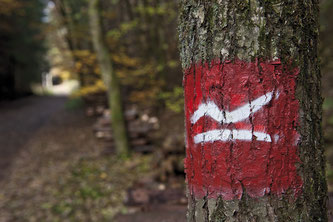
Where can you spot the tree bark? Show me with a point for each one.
(111, 81)
(235, 53)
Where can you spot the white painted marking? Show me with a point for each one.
(227, 135)
(225, 117)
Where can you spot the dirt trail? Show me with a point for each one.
(19, 121)
(52, 168)
(39, 141)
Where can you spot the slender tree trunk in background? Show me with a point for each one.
(253, 110)
(68, 14)
(111, 81)
(65, 11)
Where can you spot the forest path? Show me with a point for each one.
(52, 167)
(40, 139)
(19, 121)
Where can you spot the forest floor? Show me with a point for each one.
(52, 168)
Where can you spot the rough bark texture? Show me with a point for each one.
(264, 30)
(111, 81)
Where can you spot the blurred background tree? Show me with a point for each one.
(326, 55)
(141, 37)
(110, 80)
(21, 46)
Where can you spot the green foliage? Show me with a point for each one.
(174, 100)
(328, 104)
(74, 103)
(328, 108)
(124, 28)
(160, 9)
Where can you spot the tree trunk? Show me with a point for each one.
(111, 81)
(253, 110)
(65, 11)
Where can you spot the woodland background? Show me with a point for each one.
(58, 161)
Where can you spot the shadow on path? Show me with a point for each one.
(19, 120)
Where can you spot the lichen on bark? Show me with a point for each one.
(238, 29)
(264, 30)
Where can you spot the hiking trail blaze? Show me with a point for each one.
(241, 120)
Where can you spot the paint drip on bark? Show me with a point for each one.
(241, 120)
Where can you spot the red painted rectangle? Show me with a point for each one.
(241, 120)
